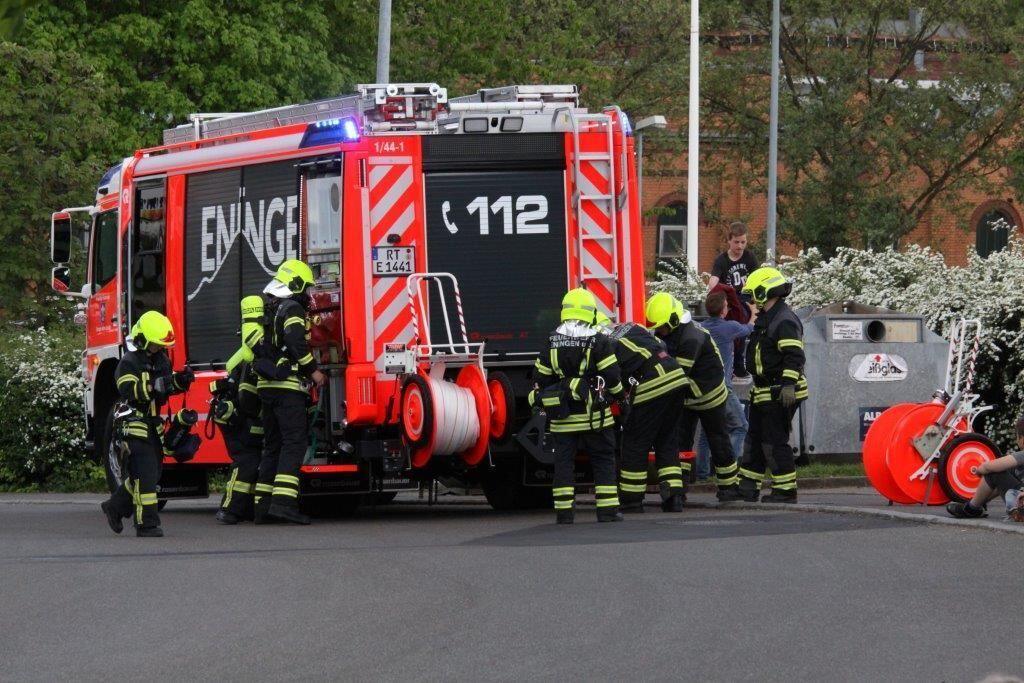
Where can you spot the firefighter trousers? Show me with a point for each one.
(600, 446)
(136, 496)
(284, 446)
(245, 450)
(768, 439)
(651, 426)
(715, 423)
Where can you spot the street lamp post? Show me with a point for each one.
(657, 121)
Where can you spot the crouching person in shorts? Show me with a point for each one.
(1003, 477)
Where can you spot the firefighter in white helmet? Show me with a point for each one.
(576, 374)
(283, 391)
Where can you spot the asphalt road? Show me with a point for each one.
(458, 592)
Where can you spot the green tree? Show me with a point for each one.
(54, 145)
(869, 144)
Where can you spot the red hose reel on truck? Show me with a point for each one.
(910, 445)
(438, 415)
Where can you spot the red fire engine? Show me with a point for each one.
(442, 234)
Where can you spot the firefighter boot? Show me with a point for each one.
(673, 503)
(728, 494)
(631, 503)
(609, 514)
(565, 517)
(747, 490)
(149, 532)
(287, 514)
(113, 517)
(259, 515)
(225, 516)
(777, 496)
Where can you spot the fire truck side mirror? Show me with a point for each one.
(60, 281)
(60, 238)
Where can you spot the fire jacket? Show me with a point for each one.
(567, 373)
(287, 328)
(776, 354)
(140, 376)
(644, 358)
(697, 354)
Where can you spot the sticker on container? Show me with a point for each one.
(847, 330)
(878, 367)
(868, 417)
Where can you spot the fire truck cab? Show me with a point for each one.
(442, 233)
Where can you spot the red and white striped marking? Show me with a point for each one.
(597, 257)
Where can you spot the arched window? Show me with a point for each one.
(672, 232)
(992, 233)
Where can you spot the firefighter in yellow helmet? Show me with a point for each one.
(652, 421)
(144, 382)
(775, 356)
(235, 409)
(576, 375)
(705, 394)
(283, 391)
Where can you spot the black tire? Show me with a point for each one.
(114, 465)
(504, 489)
(427, 432)
(945, 466)
(510, 404)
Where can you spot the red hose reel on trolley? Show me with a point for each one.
(910, 445)
(439, 415)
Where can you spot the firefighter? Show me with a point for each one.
(651, 422)
(705, 394)
(576, 373)
(236, 411)
(144, 382)
(283, 390)
(775, 356)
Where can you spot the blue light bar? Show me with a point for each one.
(627, 127)
(329, 132)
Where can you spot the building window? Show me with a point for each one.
(993, 232)
(672, 232)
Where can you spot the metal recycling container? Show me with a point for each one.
(860, 361)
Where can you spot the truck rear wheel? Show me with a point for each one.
(115, 464)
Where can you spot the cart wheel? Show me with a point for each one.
(955, 463)
(876, 442)
(417, 407)
(903, 459)
(503, 399)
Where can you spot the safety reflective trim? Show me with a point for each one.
(264, 488)
(670, 470)
(241, 487)
(617, 389)
(290, 384)
(685, 466)
(712, 399)
(256, 429)
(283, 491)
(635, 475)
(550, 401)
(791, 374)
(725, 482)
(246, 386)
(136, 497)
(584, 426)
(785, 486)
(606, 362)
(563, 491)
(635, 348)
(574, 386)
(286, 479)
(751, 474)
(606, 489)
(758, 366)
(294, 320)
(563, 504)
(633, 488)
(148, 498)
(685, 362)
(230, 488)
(541, 368)
(783, 478)
(553, 354)
(306, 360)
(790, 343)
(607, 502)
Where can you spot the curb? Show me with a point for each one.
(867, 512)
(813, 483)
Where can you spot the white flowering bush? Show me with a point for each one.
(42, 435)
(917, 280)
(676, 277)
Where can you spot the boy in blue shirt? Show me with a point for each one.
(725, 333)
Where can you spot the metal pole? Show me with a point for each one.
(384, 42)
(640, 170)
(773, 137)
(693, 162)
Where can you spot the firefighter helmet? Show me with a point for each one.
(292, 277)
(603, 320)
(661, 310)
(152, 328)
(766, 283)
(579, 304)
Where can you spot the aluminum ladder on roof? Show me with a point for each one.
(609, 203)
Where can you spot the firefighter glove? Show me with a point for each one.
(183, 379)
(787, 395)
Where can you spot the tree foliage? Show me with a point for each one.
(870, 144)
